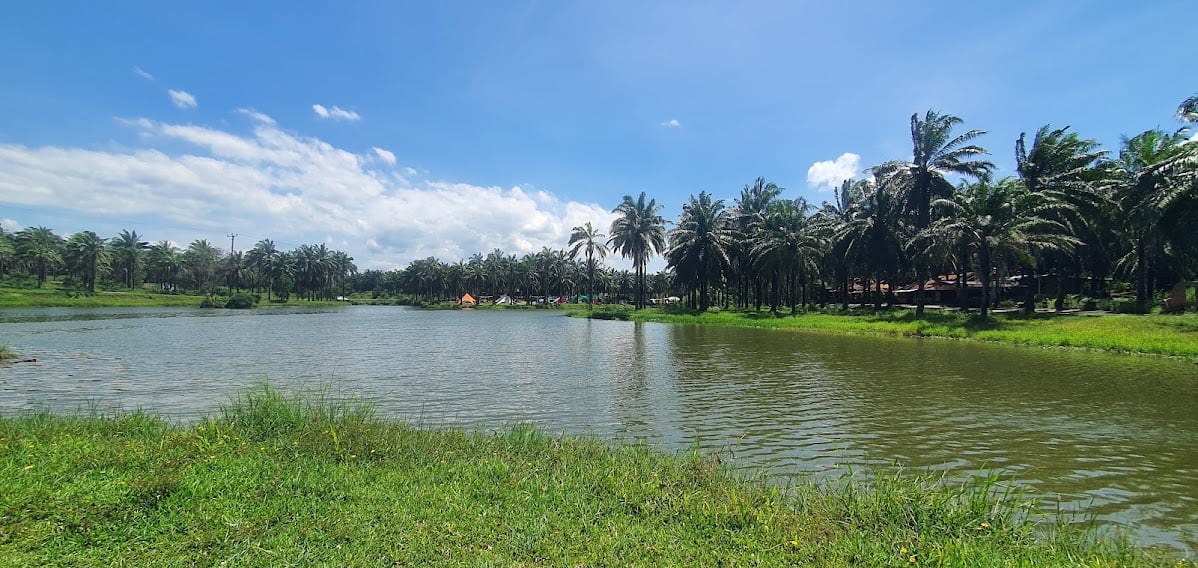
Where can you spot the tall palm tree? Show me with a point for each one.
(873, 237)
(936, 154)
(637, 233)
(40, 248)
(1061, 167)
(701, 245)
(127, 249)
(589, 241)
(85, 253)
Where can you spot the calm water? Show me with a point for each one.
(1116, 435)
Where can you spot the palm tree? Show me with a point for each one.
(199, 263)
(637, 233)
(873, 238)
(40, 248)
(8, 251)
(85, 253)
(1188, 109)
(586, 239)
(163, 263)
(1154, 186)
(701, 244)
(999, 223)
(787, 247)
(127, 250)
(936, 154)
(749, 215)
(1061, 167)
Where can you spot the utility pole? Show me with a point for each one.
(232, 237)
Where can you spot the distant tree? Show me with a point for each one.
(701, 245)
(85, 254)
(127, 250)
(587, 240)
(40, 249)
(637, 233)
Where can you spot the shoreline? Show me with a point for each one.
(1172, 336)
(283, 478)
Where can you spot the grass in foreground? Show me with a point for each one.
(6, 353)
(1169, 335)
(277, 480)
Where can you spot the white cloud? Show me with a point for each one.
(280, 185)
(672, 123)
(142, 73)
(336, 113)
(256, 116)
(182, 99)
(384, 155)
(10, 225)
(829, 174)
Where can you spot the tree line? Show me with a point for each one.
(85, 260)
(1071, 212)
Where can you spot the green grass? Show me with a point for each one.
(54, 297)
(6, 353)
(1168, 335)
(279, 480)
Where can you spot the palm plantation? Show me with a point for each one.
(637, 233)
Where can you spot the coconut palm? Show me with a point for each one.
(587, 240)
(936, 154)
(873, 237)
(40, 249)
(701, 245)
(85, 254)
(637, 233)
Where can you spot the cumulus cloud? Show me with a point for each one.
(142, 73)
(256, 116)
(10, 225)
(335, 113)
(275, 184)
(384, 155)
(672, 123)
(182, 99)
(829, 174)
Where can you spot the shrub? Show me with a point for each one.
(241, 301)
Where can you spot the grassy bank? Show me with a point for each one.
(52, 296)
(1169, 335)
(275, 480)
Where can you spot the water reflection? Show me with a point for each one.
(1117, 434)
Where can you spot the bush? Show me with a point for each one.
(241, 301)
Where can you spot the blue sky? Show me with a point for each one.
(397, 131)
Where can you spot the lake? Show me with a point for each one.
(1116, 436)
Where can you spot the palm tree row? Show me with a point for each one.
(312, 271)
(1071, 212)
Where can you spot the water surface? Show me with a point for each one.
(1116, 435)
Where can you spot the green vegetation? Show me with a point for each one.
(276, 480)
(1175, 336)
(7, 354)
(53, 296)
